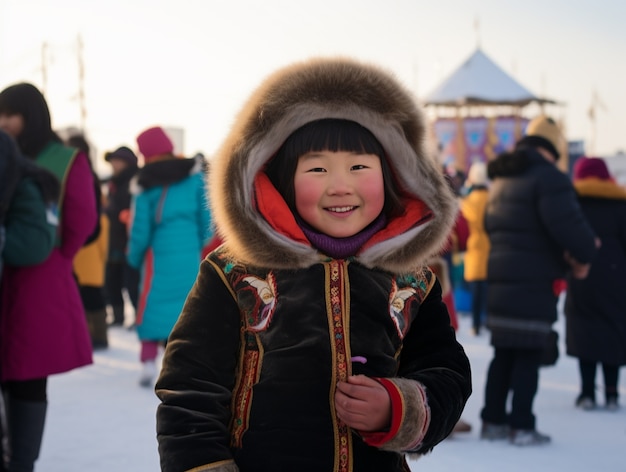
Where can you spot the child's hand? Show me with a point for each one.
(363, 404)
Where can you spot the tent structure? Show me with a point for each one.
(480, 81)
(478, 111)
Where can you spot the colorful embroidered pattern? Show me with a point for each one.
(242, 398)
(259, 308)
(256, 297)
(400, 307)
(407, 290)
(338, 303)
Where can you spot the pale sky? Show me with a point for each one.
(192, 63)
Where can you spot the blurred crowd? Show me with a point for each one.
(81, 255)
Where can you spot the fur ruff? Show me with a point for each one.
(593, 187)
(308, 91)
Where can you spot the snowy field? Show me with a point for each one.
(100, 420)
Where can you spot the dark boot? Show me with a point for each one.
(26, 423)
(4, 434)
(118, 315)
(97, 323)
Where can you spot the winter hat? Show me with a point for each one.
(542, 132)
(154, 142)
(477, 174)
(123, 154)
(587, 167)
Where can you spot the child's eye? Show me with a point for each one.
(358, 167)
(317, 169)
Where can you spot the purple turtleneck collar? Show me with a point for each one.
(341, 248)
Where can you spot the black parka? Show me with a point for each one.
(532, 219)
(595, 307)
(118, 200)
(272, 324)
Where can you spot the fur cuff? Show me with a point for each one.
(410, 416)
(222, 466)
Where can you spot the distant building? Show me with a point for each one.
(177, 135)
(479, 112)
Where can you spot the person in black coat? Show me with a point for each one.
(595, 307)
(537, 232)
(120, 275)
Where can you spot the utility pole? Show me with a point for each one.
(477, 31)
(596, 105)
(44, 67)
(81, 85)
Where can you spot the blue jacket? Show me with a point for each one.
(170, 223)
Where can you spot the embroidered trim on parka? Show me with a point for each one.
(256, 295)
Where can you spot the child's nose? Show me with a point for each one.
(339, 185)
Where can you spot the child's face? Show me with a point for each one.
(12, 124)
(339, 193)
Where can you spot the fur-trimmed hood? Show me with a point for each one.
(308, 91)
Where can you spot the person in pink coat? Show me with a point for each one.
(43, 330)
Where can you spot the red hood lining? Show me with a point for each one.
(273, 208)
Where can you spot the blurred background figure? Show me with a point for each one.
(537, 233)
(473, 206)
(90, 263)
(120, 276)
(28, 226)
(446, 267)
(595, 307)
(170, 225)
(44, 334)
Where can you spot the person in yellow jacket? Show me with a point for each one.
(89, 265)
(477, 252)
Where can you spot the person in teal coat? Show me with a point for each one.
(170, 224)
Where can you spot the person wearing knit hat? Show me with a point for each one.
(538, 234)
(595, 323)
(170, 223)
(154, 144)
(120, 276)
(591, 167)
(544, 134)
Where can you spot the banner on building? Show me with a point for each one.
(463, 141)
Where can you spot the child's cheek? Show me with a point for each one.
(308, 194)
(373, 192)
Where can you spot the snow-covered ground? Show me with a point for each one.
(100, 420)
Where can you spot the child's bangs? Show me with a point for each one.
(333, 135)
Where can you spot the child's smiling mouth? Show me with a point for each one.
(341, 209)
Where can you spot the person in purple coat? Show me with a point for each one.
(44, 334)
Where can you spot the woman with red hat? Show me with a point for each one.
(595, 307)
(170, 223)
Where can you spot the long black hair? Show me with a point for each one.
(330, 134)
(26, 100)
(14, 167)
